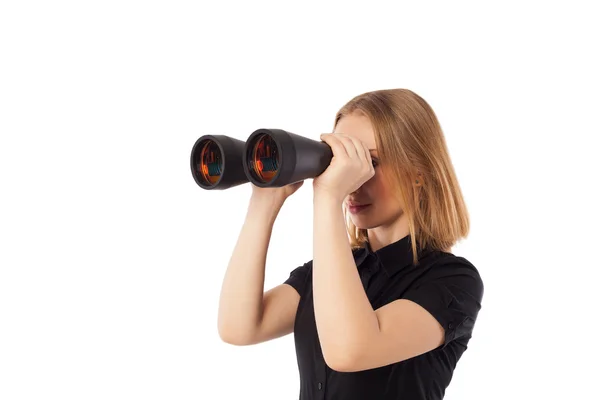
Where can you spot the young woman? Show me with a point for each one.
(388, 313)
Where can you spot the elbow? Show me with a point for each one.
(340, 358)
(234, 338)
(340, 364)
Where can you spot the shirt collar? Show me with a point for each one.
(393, 257)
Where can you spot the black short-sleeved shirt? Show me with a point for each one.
(447, 286)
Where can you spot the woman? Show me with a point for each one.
(388, 314)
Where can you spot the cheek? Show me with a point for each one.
(382, 194)
(378, 188)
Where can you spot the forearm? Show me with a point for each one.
(240, 304)
(343, 313)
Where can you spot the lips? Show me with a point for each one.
(355, 208)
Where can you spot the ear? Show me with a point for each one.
(419, 179)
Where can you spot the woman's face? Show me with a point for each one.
(373, 204)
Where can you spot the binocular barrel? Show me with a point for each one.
(216, 162)
(268, 158)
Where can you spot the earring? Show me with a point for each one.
(417, 181)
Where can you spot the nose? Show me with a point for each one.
(355, 194)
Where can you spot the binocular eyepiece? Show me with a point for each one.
(268, 158)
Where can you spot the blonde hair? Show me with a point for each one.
(411, 146)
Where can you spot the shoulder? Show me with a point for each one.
(299, 277)
(303, 270)
(454, 271)
(447, 262)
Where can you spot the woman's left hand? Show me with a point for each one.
(350, 167)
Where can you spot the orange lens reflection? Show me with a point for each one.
(211, 163)
(265, 158)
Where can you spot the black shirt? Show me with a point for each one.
(447, 286)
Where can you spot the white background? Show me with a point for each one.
(112, 257)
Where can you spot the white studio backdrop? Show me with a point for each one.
(112, 257)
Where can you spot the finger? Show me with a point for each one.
(351, 146)
(362, 150)
(337, 147)
(368, 155)
(365, 155)
(368, 158)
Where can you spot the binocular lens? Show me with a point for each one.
(210, 163)
(263, 158)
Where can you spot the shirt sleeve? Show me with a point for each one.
(453, 298)
(298, 277)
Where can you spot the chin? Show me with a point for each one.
(366, 221)
(363, 223)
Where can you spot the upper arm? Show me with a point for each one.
(454, 301)
(280, 305)
(406, 330)
(279, 312)
(426, 317)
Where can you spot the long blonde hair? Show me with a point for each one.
(411, 146)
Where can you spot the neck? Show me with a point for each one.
(387, 234)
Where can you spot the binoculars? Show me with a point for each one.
(268, 158)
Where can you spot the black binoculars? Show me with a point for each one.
(268, 158)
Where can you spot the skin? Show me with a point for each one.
(384, 219)
(353, 336)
